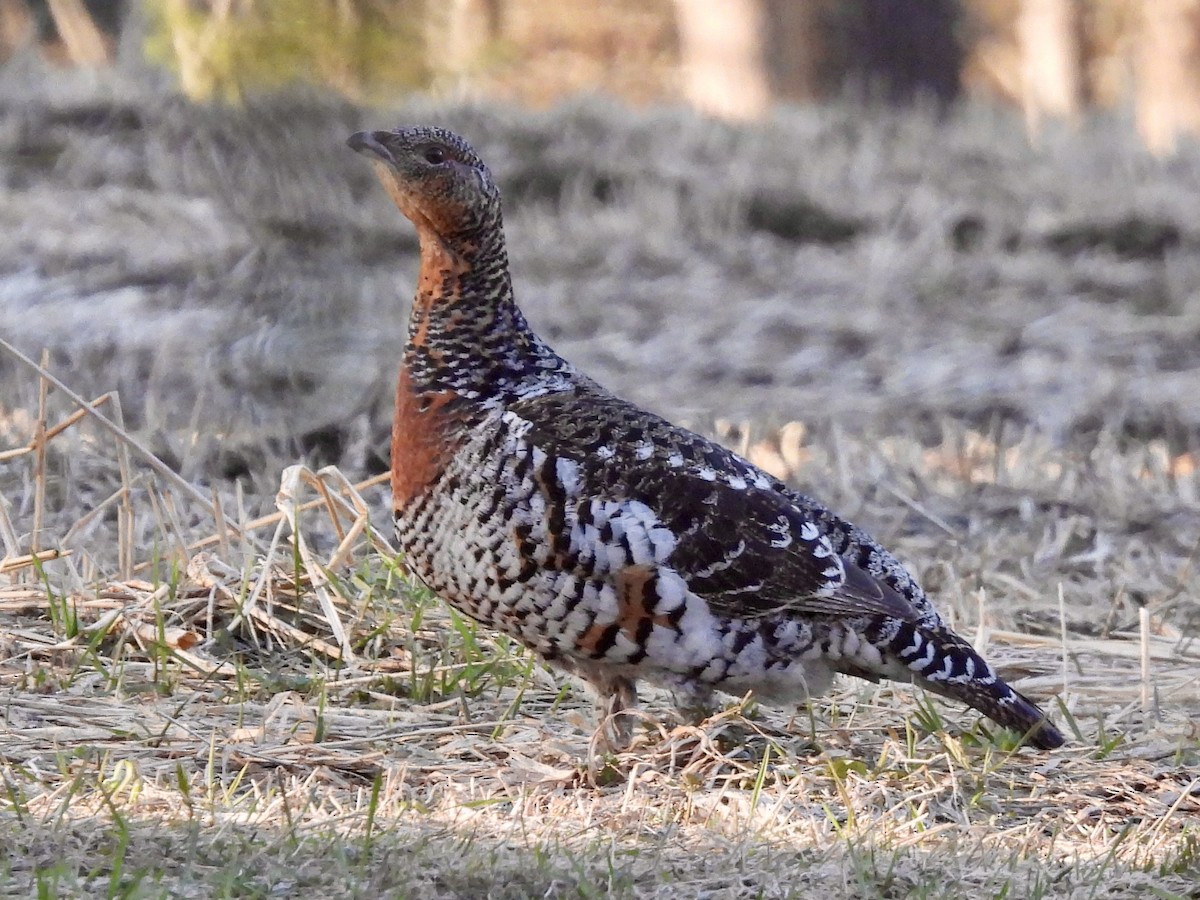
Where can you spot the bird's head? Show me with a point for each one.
(434, 177)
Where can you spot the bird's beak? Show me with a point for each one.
(370, 143)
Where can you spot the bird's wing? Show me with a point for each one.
(736, 541)
(748, 551)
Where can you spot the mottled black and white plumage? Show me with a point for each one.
(613, 543)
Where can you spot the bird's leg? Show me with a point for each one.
(616, 695)
(693, 700)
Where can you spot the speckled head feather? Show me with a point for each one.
(435, 177)
(614, 544)
(466, 333)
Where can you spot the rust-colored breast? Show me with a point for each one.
(425, 434)
(427, 427)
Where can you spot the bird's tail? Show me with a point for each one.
(941, 661)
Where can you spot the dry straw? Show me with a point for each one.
(307, 687)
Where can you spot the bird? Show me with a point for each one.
(615, 545)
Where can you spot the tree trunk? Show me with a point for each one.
(17, 27)
(1168, 72)
(722, 44)
(85, 43)
(1050, 36)
(794, 50)
(457, 34)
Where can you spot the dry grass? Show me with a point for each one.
(992, 353)
(240, 278)
(270, 707)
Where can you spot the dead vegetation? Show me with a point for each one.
(269, 705)
(830, 266)
(206, 692)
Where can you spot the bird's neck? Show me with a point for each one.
(466, 333)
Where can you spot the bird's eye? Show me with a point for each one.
(434, 155)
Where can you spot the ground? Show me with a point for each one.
(985, 352)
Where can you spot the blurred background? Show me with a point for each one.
(887, 215)
(1052, 59)
(935, 262)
